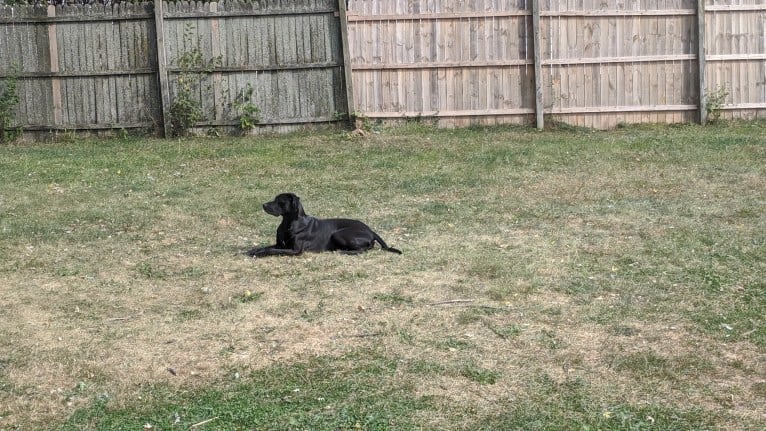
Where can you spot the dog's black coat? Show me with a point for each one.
(298, 232)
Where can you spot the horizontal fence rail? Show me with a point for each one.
(460, 62)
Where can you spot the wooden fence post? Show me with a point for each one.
(537, 49)
(343, 22)
(162, 67)
(215, 44)
(53, 52)
(701, 60)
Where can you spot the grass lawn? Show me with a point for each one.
(556, 280)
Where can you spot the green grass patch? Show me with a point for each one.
(570, 405)
(321, 393)
(559, 279)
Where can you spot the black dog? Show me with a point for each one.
(298, 232)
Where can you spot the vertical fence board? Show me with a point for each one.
(54, 67)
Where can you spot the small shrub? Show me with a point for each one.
(9, 98)
(340, 116)
(185, 110)
(714, 101)
(361, 121)
(249, 114)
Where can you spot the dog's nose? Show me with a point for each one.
(264, 207)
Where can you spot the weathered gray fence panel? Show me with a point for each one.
(96, 67)
(288, 52)
(23, 45)
(81, 67)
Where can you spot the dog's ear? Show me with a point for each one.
(295, 202)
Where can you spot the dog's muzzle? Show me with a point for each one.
(271, 208)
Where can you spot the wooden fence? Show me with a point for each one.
(453, 60)
(586, 62)
(81, 67)
(634, 62)
(104, 67)
(289, 52)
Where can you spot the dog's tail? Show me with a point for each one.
(385, 246)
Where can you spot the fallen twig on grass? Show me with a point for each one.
(362, 335)
(199, 424)
(464, 303)
(451, 301)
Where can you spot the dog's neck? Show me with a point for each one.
(289, 218)
(300, 211)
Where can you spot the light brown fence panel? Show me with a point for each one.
(463, 62)
(625, 61)
(736, 57)
(288, 52)
(82, 67)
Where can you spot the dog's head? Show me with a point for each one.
(286, 205)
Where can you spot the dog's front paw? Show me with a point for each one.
(256, 252)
